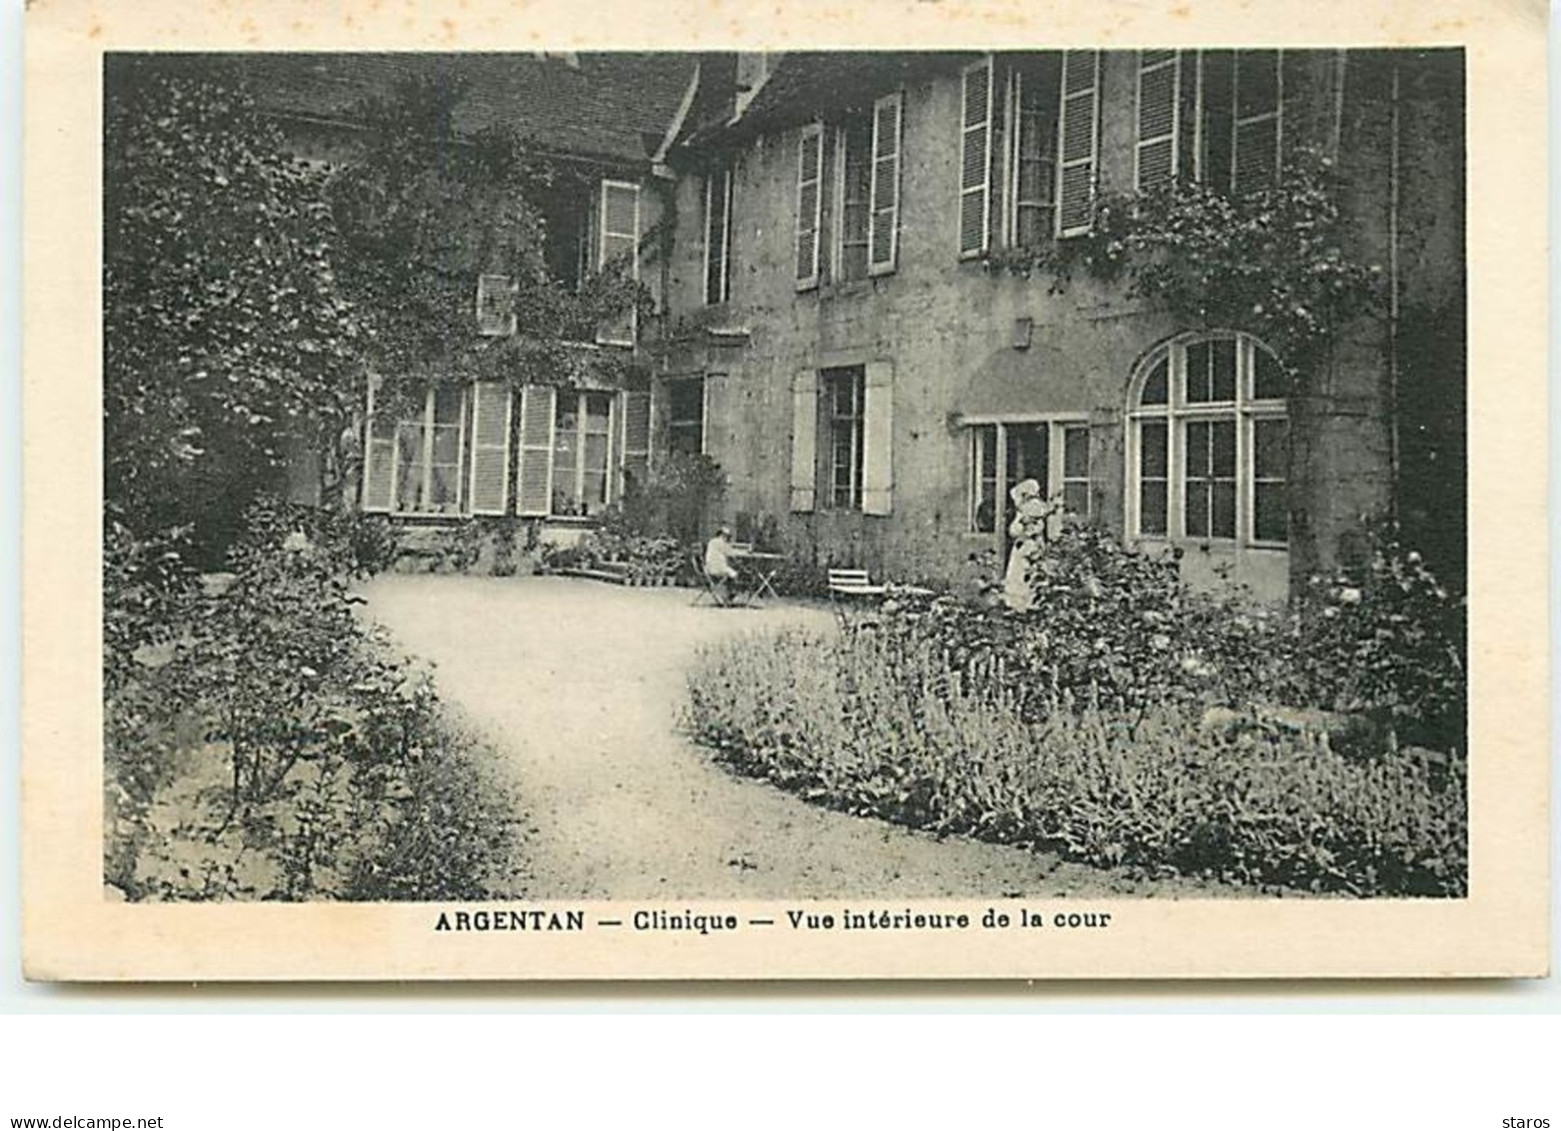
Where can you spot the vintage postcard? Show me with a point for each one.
(907, 490)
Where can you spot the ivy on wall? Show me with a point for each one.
(1273, 262)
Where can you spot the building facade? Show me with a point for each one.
(873, 383)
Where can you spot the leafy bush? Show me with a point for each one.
(296, 756)
(1389, 639)
(864, 723)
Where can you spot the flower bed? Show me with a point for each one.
(862, 723)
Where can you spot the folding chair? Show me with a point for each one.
(849, 587)
(707, 594)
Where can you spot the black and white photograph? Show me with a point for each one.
(892, 494)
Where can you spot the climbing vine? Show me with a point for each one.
(1272, 262)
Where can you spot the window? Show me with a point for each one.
(1212, 116)
(686, 415)
(582, 452)
(884, 225)
(1080, 139)
(443, 451)
(844, 394)
(718, 237)
(1033, 87)
(810, 180)
(853, 189)
(618, 245)
(1055, 453)
(1210, 444)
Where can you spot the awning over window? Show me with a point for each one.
(1041, 379)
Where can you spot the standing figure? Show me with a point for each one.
(1028, 532)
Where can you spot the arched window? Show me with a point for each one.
(1209, 444)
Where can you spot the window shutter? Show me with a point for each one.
(878, 439)
(975, 184)
(534, 473)
(804, 441)
(491, 409)
(884, 195)
(636, 439)
(1078, 129)
(1158, 81)
(379, 457)
(715, 431)
(619, 242)
(1258, 100)
(810, 193)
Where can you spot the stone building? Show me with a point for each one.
(873, 385)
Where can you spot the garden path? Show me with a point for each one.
(577, 685)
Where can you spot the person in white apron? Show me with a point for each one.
(1028, 533)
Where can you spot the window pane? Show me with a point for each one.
(1075, 498)
(1156, 384)
(1075, 453)
(1270, 444)
(1224, 507)
(1197, 449)
(447, 443)
(1223, 374)
(1222, 449)
(1151, 507)
(1270, 521)
(1268, 378)
(984, 479)
(1200, 363)
(445, 488)
(1196, 508)
(1153, 456)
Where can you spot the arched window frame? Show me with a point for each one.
(1246, 409)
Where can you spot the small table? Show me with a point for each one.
(763, 569)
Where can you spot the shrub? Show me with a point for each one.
(297, 757)
(864, 723)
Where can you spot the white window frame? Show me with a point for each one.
(425, 458)
(1057, 426)
(814, 229)
(614, 426)
(828, 378)
(839, 187)
(724, 279)
(1245, 411)
(1014, 95)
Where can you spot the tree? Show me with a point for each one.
(225, 332)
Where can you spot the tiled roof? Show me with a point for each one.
(613, 106)
(806, 84)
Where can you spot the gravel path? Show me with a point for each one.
(577, 685)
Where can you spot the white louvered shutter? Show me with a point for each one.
(810, 197)
(716, 430)
(1159, 75)
(635, 443)
(975, 182)
(619, 228)
(804, 441)
(1078, 129)
(884, 196)
(878, 439)
(534, 470)
(379, 457)
(491, 418)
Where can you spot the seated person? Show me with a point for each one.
(718, 564)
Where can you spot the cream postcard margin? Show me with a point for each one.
(1501, 929)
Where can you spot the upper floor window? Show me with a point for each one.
(1209, 444)
(718, 237)
(617, 245)
(853, 189)
(1211, 116)
(1010, 112)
